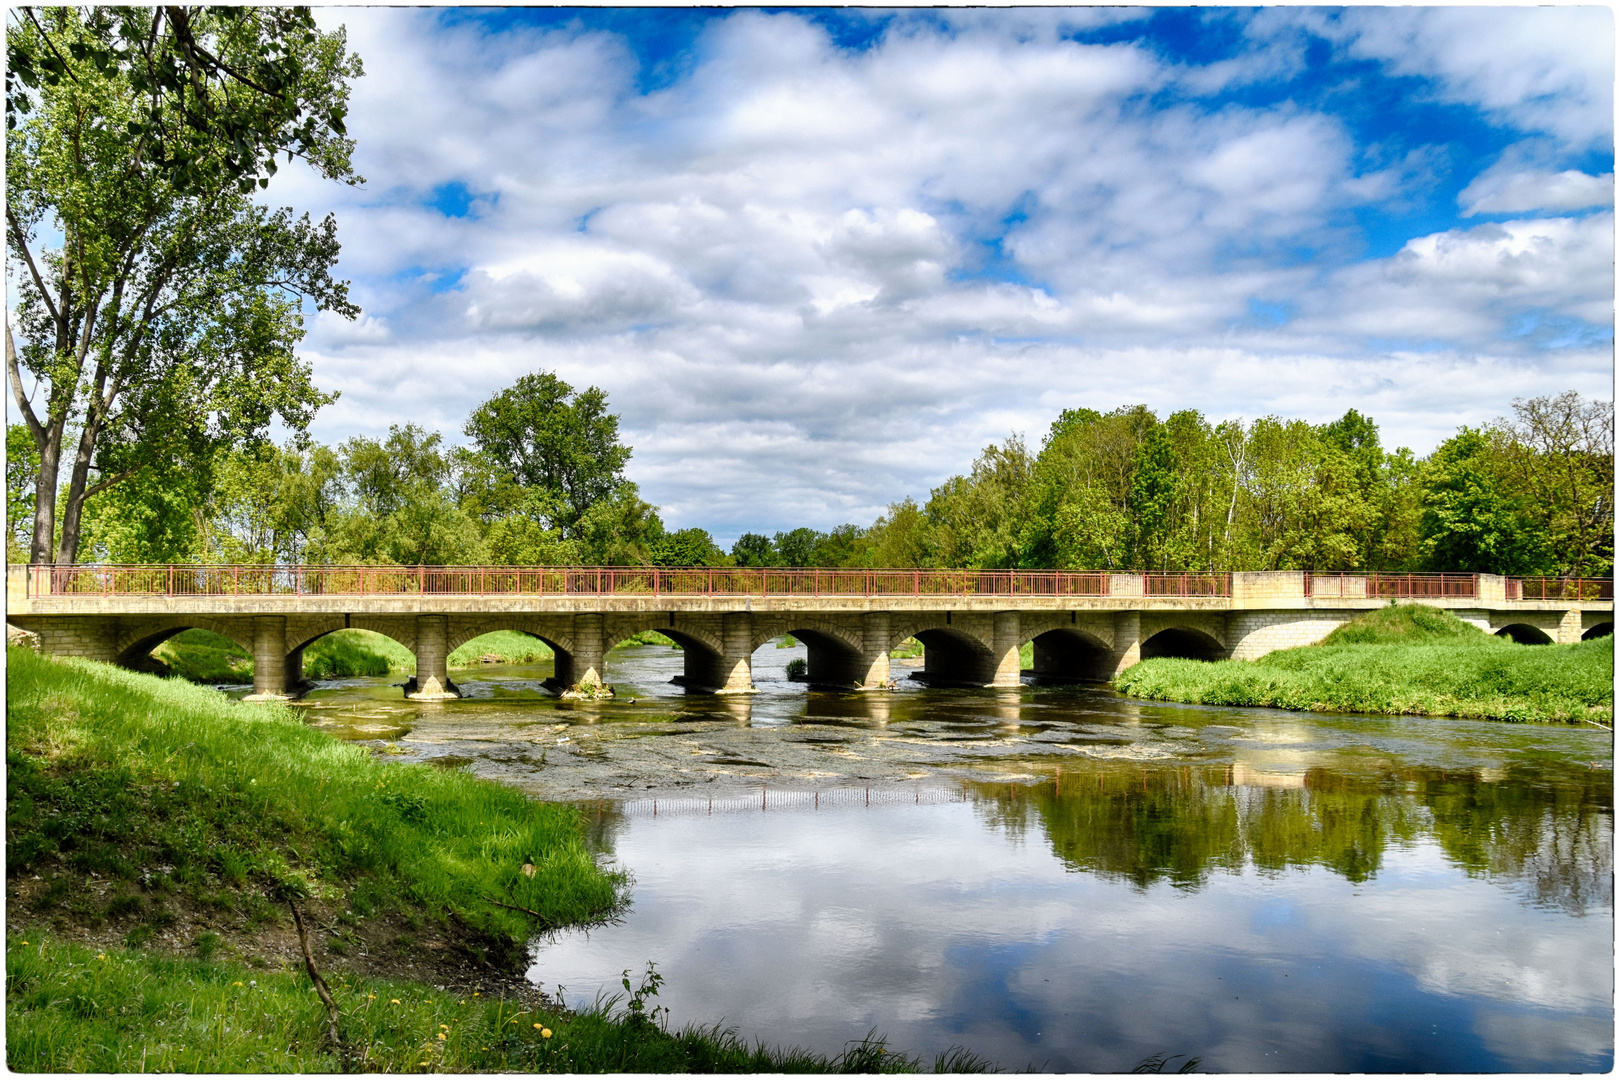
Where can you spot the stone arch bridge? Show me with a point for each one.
(972, 624)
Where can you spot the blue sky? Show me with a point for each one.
(818, 258)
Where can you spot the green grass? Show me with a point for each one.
(204, 656)
(76, 1009)
(649, 637)
(177, 794)
(509, 645)
(1406, 659)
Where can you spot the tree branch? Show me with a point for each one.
(14, 371)
(39, 283)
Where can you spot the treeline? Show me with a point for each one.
(1125, 490)
(542, 481)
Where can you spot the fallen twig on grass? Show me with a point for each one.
(320, 987)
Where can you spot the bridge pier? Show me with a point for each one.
(270, 659)
(1127, 650)
(589, 659)
(875, 650)
(736, 671)
(1006, 637)
(432, 679)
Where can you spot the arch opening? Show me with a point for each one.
(829, 661)
(194, 653)
(952, 658)
(1182, 643)
(1601, 630)
(1525, 634)
(345, 653)
(1070, 656)
(501, 647)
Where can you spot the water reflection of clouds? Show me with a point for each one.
(812, 928)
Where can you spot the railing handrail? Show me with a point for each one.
(364, 579)
(235, 579)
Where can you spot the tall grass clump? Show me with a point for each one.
(506, 646)
(84, 1010)
(1408, 659)
(172, 790)
(345, 653)
(204, 656)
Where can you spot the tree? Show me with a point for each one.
(22, 468)
(1471, 522)
(404, 510)
(1563, 460)
(753, 549)
(546, 451)
(798, 547)
(688, 547)
(157, 305)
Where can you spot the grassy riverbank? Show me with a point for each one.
(139, 803)
(153, 831)
(1404, 659)
(73, 1008)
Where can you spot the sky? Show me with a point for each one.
(819, 258)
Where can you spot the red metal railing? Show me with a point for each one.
(1546, 588)
(600, 581)
(1369, 586)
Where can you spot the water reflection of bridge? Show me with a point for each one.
(972, 624)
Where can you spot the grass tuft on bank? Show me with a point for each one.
(1404, 659)
(70, 1008)
(171, 797)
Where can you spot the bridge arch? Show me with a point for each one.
(832, 660)
(1184, 642)
(1602, 629)
(955, 657)
(1067, 653)
(1525, 634)
(135, 646)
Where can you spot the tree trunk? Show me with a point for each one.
(67, 552)
(50, 457)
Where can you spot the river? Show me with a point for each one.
(1060, 878)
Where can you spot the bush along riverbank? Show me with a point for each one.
(184, 871)
(1403, 659)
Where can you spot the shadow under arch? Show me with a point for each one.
(137, 655)
(831, 662)
(1184, 643)
(703, 669)
(1067, 655)
(1525, 634)
(952, 658)
(1602, 629)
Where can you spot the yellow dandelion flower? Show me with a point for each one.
(545, 1033)
(537, 1027)
(25, 943)
(441, 1035)
(444, 1027)
(237, 983)
(393, 1001)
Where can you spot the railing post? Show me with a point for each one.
(171, 580)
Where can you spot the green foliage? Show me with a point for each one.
(1408, 624)
(688, 547)
(546, 451)
(22, 470)
(161, 304)
(752, 549)
(1408, 662)
(204, 656)
(160, 784)
(75, 1009)
(510, 646)
(1471, 518)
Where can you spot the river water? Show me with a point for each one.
(1060, 878)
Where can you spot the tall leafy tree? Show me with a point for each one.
(545, 451)
(157, 304)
